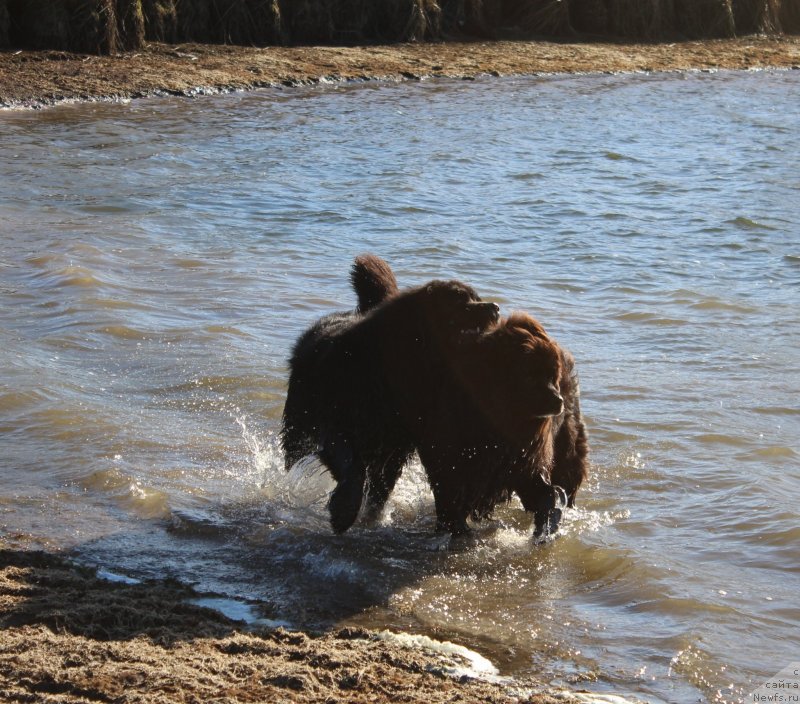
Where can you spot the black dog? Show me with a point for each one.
(373, 281)
(364, 386)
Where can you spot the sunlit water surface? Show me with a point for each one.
(159, 258)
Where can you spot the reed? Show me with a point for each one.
(471, 17)
(354, 21)
(4, 24)
(160, 20)
(193, 20)
(386, 21)
(130, 24)
(107, 26)
(790, 16)
(762, 16)
(249, 22)
(589, 16)
(93, 26)
(37, 24)
(641, 20)
(544, 17)
(700, 19)
(403, 20)
(86, 26)
(308, 21)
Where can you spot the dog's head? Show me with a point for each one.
(515, 376)
(530, 361)
(455, 310)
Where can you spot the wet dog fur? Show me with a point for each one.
(363, 384)
(492, 409)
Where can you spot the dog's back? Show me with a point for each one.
(374, 283)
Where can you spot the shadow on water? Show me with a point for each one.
(275, 550)
(269, 560)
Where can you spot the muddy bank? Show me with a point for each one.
(68, 636)
(36, 79)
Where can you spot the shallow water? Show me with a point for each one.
(159, 258)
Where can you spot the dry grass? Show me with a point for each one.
(46, 78)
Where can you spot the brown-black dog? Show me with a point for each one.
(507, 420)
(363, 388)
(373, 282)
(510, 423)
(501, 416)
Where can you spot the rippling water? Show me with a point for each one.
(159, 258)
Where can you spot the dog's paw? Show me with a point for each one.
(548, 520)
(345, 503)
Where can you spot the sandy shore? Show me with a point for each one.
(67, 636)
(37, 79)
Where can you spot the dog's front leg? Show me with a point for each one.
(546, 502)
(340, 457)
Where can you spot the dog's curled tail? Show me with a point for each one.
(373, 281)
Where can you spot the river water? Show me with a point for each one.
(159, 258)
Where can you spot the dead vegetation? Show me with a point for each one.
(42, 78)
(110, 26)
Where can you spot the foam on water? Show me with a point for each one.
(473, 664)
(238, 611)
(117, 578)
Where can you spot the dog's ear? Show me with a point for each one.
(526, 324)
